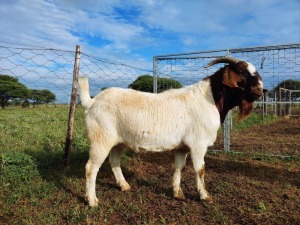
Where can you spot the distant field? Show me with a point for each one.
(38, 129)
(37, 189)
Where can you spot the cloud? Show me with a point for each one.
(36, 23)
(134, 31)
(216, 21)
(139, 29)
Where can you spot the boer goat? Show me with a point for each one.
(185, 120)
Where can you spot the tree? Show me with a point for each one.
(10, 88)
(41, 96)
(288, 84)
(145, 83)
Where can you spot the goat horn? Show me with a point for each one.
(223, 60)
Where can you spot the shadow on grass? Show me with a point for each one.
(228, 164)
(68, 178)
(268, 173)
(72, 178)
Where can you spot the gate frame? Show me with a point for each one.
(227, 52)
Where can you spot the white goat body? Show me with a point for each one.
(186, 119)
(154, 122)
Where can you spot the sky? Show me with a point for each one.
(131, 32)
(134, 31)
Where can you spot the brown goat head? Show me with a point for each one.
(242, 82)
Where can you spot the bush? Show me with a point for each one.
(145, 83)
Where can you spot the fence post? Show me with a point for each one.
(68, 144)
(154, 75)
(279, 103)
(227, 129)
(227, 124)
(290, 103)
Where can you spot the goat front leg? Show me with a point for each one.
(114, 160)
(180, 162)
(199, 167)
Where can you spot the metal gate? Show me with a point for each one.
(275, 64)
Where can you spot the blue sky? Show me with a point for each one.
(134, 31)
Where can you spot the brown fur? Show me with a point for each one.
(201, 174)
(245, 109)
(230, 78)
(230, 87)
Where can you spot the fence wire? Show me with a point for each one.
(275, 64)
(39, 68)
(104, 73)
(52, 69)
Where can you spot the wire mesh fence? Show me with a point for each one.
(34, 70)
(52, 69)
(279, 66)
(39, 68)
(104, 73)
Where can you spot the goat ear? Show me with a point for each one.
(230, 78)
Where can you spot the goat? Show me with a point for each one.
(185, 120)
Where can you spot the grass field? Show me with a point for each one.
(37, 189)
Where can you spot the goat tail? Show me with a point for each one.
(84, 92)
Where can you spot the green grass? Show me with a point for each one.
(255, 119)
(32, 176)
(35, 129)
(35, 187)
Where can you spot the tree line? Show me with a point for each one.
(145, 83)
(12, 90)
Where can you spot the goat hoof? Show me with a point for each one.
(92, 202)
(178, 194)
(208, 199)
(125, 187)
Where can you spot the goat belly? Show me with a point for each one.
(145, 142)
(154, 148)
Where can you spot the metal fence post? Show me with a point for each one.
(68, 144)
(227, 129)
(227, 125)
(154, 75)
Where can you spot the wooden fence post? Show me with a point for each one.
(68, 144)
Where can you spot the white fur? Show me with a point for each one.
(261, 84)
(251, 69)
(185, 119)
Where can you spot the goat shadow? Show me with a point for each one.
(263, 172)
(225, 165)
(61, 176)
(54, 171)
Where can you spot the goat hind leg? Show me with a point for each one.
(91, 169)
(114, 160)
(180, 162)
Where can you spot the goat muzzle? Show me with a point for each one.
(255, 93)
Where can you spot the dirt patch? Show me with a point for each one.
(244, 191)
(279, 138)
